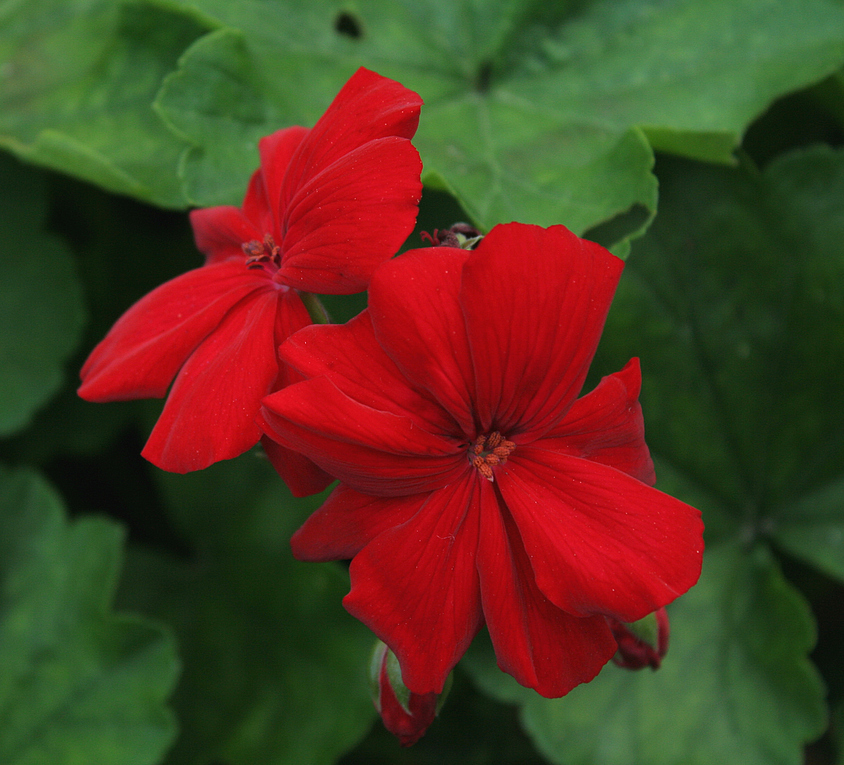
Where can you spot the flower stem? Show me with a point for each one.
(316, 310)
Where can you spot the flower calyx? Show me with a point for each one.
(489, 451)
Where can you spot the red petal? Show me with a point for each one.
(301, 475)
(416, 586)
(368, 107)
(416, 314)
(541, 646)
(350, 356)
(210, 412)
(143, 351)
(343, 222)
(348, 521)
(375, 452)
(535, 302)
(606, 426)
(220, 233)
(263, 197)
(600, 542)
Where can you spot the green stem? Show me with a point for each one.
(316, 309)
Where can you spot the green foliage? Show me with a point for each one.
(79, 684)
(41, 308)
(77, 81)
(530, 115)
(736, 312)
(735, 687)
(275, 670)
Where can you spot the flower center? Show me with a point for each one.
(489, 451)
(266, 254)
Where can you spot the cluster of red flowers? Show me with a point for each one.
(475, 487)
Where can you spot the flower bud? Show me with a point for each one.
(642, 643)
(405, 714)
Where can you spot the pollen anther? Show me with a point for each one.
(488, 451)
(260, 254)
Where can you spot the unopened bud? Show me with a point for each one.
(405, 714)
(643, 643)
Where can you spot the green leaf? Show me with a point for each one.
(41, 306)
(77, 81)
(736, 685)
(812, 529)
(737, 312)
(79, 684)
(533, 112)
(275, 669)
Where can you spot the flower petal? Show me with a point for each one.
(350, 193)
(599, 541)
(343, 222)
(142, 352)
(606, 426)
(368, 107)
(350, 356)
(302, 476)
(220, 232)
(416, 315)
(416, 586)
(538, 644)
(262, 202)
(348, 521)
(210, 412)
(535, 302)
(374, 451)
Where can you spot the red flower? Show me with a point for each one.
(475, 488)
(325, 208)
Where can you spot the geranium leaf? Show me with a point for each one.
(532, 112)
(275, 669)
(736, 685)
(737, 314)
(41, 307)
(78, 83)
(79, 684)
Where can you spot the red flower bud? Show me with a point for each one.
(405, 714)
(643, 643)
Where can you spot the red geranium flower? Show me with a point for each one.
(475, 487)
(325, 208)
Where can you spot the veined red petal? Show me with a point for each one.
(343, 222)
(142, 352)
(540, 645)
(302, 476)
(416, 315)
(368, 107)
(416, 586)
(263, 197)
(374, 451)
(599, 541)
(210, 412)
(606, 426)
(535, 302)
(348, 521)
(219, 233)
(350, 356)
